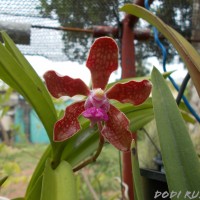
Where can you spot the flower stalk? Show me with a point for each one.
(95, 156)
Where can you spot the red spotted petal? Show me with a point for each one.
(102, 61)
(130, 92)
(116, 129)
(68, 125)
(64, 85)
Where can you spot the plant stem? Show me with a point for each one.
(96, 155)
(91, 189)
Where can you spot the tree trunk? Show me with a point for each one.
(128, 70)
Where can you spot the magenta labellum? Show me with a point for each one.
(96, 106)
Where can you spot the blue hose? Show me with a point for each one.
(164, 53)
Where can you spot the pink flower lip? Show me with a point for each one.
(97, 113)
(96, 106)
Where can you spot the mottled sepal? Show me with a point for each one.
(64, 85)
(68, 125)
(130, 92)
(102, 61)
(116, 130)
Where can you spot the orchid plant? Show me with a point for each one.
(109, 113)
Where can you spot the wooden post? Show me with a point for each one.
(128, 70)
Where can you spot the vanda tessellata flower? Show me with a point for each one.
(102, 61)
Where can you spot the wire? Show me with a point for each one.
(164, 53)
(153, 143)
(62, 28)
(182, 88)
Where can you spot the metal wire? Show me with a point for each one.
(182, 88)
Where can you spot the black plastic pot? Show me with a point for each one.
(154, 184)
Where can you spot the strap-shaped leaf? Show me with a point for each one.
(2, 180)
(18, 73)
(139, 118)
(9, 44)
(58, 183)
(35, 192)
(180, 159)
(136, 172)
(125, 80)
(36, 178)
(189, 55)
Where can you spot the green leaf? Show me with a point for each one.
(2, 180)
(109, 85)
(139, 115)
(35, 192)
(187, 52)
(9, 44)
(18, 73)
(136, 172)
(140, 118)
(59, 183)
(38, 172)
(187, 117)
(84, 145)
(180, 159)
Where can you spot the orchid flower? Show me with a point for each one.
(102, 61)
